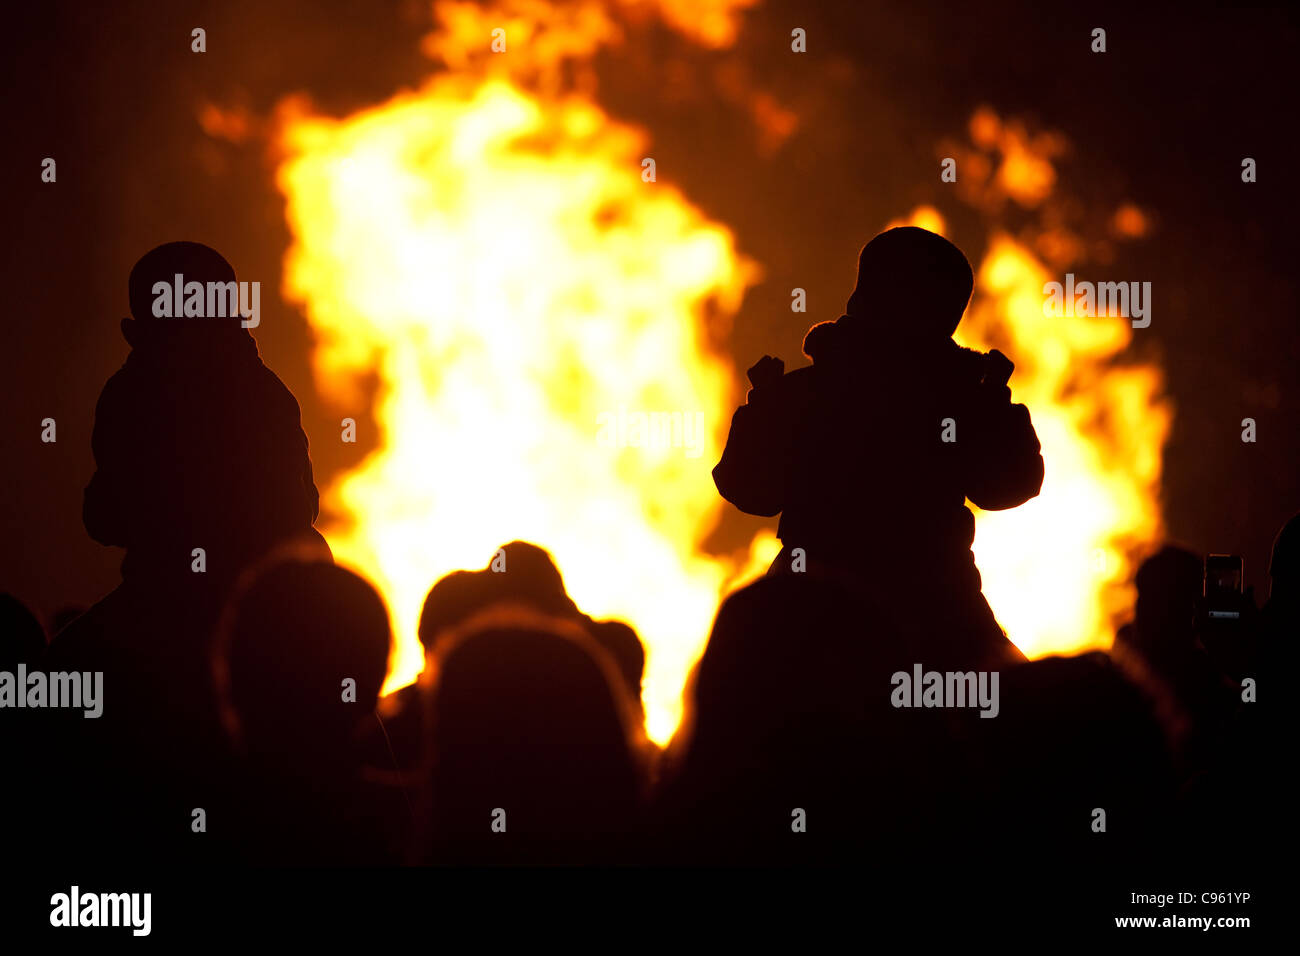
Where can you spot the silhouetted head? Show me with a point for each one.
(193, 261)
(1284, 563)
(619, 640)
(1168, 584)
(529, 716)
(523, 574)
(197, 443)
(529, 574)
(782, 649)
(291, 638)
(914, 278)
(452, 598)
(788, 707)
(22, 639)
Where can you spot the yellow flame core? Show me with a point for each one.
(1058, 570)
(485, 251)
(497, 262)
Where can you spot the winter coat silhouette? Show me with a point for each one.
(869, 453)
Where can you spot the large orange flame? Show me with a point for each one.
(494, 256)
(485, 247)
(1058, 571)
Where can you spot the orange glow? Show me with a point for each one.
(1130, 222)
(923, 217)
(232, 125)
(485, 249)
(492, 254)
(1058, 570)
(1022, 171)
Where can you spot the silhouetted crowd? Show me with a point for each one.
(242, 721)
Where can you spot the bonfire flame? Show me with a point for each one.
(486, 248)
(494, 257)
(1058, 570)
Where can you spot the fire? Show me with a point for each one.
(1058, 570)
(493, 255)
(485, 249)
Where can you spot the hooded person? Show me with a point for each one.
(869, 453)
(201, 467)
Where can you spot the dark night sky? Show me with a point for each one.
(1162, 119)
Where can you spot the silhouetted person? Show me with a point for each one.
(527, 576)
(791, 749)
(1168, 584)
(201, 466)
(22, 638)
(1073, 736)
(22, 730)
(1281, 615)
(1160, 650)
(1246, 797)
(621, 643)
(1263, 742)
(299, 663)
(869, 453)
(536, 745)
(65, 616)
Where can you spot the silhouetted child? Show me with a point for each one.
(201, 467)
(869, 453)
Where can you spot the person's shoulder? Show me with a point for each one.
(803, 373)
(800, 380)
(791, 391)
(87, 630)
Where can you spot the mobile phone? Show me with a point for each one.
(1223, 586)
